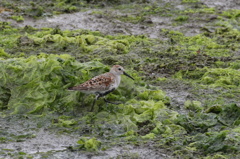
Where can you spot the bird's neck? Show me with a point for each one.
(118, 80)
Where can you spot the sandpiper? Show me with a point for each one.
(103, 84)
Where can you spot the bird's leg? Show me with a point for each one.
(105, 93)
(96, 98)
(98, 95)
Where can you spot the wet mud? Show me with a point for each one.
(106, 20)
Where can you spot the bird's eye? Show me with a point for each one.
(119, 69)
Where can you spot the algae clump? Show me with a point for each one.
(42, 82)
(91, 144)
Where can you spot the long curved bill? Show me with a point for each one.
(128, 75)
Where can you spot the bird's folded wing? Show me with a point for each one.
(99, 83)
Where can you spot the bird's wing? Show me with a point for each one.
(99, 83)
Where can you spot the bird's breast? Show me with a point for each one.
(117, 81)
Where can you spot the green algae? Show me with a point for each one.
(193, 105)
(3, 53)
(132, 119)
(217, 137)
(149, 136)
(81, 44)
(194, 43)
(38, 93)
(214, 109)
(181, 18)
(35, 92)
(132, 19)
(229, 115)
(216, 141)
(38, 8)
(191, 53)
(144, 116)
(200, 129)
(232, 13)
(91, 144)
(62, 121)
(215, 77)
(8, 34)
(201, 10)
(18, 18)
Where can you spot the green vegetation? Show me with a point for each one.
(18, 18)
(38, 65)
(89, 145)
(181, 18)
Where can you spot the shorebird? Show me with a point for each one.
(103, 84)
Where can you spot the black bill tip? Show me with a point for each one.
(128, 75)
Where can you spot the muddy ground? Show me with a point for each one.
(109, 24)
(47, 142)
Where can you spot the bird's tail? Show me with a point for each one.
(76, 88)
(72, 88)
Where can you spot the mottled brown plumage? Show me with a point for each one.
(98, 83)
(103, 84)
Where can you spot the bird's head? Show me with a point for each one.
(119, 70)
